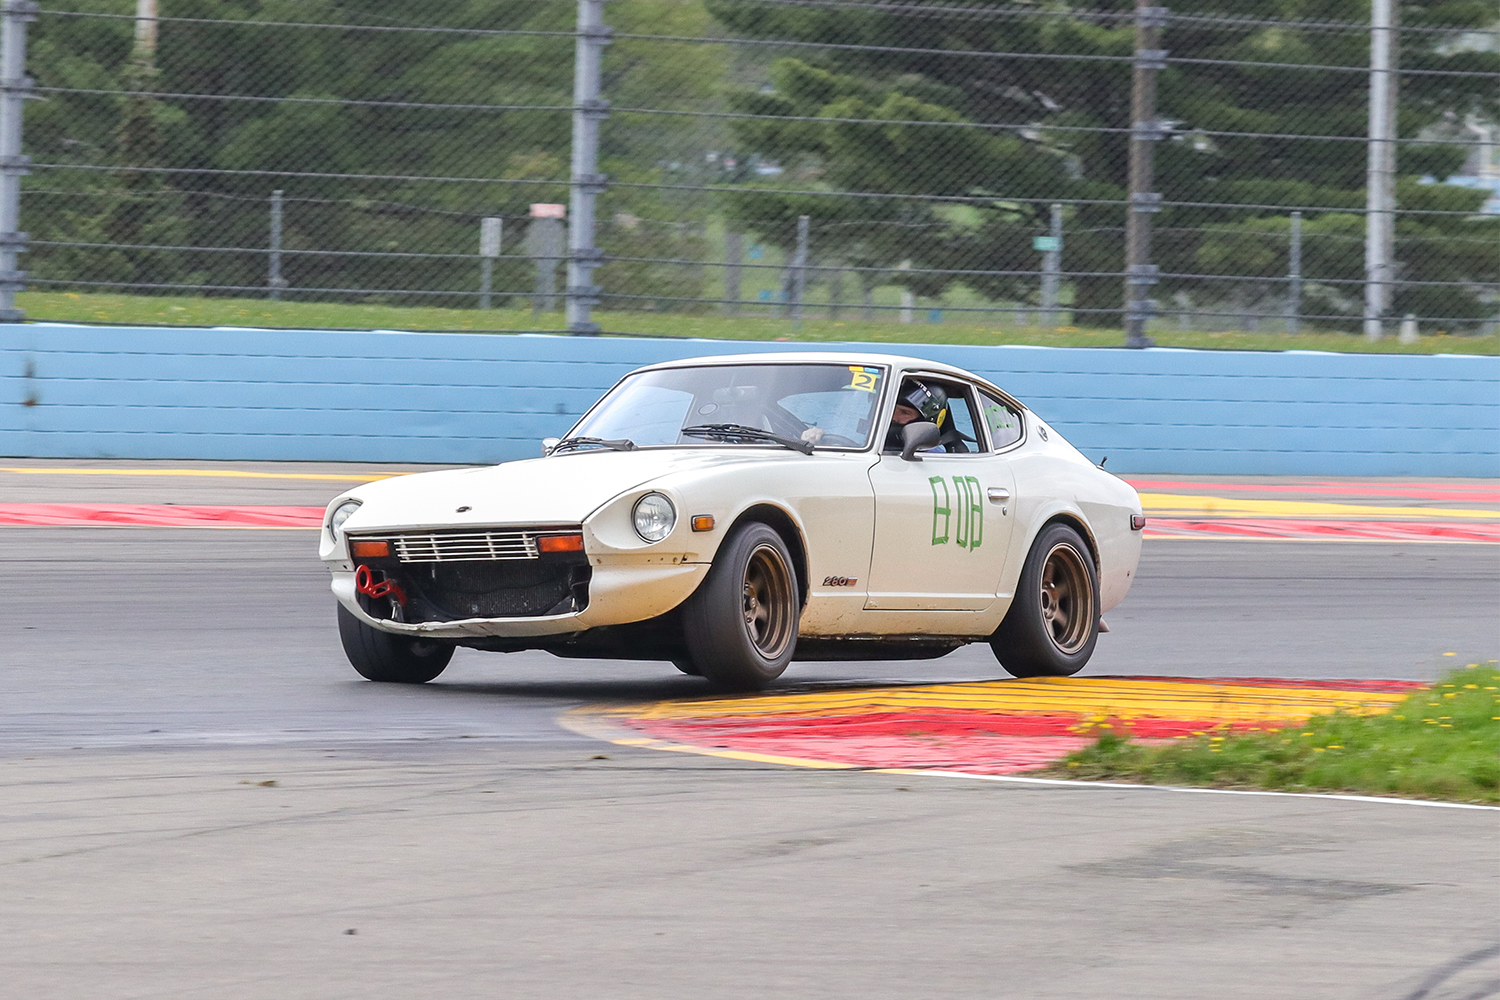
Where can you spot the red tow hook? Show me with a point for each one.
(364, 582)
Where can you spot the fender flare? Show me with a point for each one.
(786, 524)
(1058, 512)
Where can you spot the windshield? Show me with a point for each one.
(827, 406)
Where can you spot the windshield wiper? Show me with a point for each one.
(613, 444)
(742, 432)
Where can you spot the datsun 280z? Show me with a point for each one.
(732, 514)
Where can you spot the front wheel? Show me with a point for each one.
(740, 625)
(1053, 623)
(392, 659)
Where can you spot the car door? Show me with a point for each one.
(942, 524)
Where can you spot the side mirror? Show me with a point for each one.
(548, 444)
(919, 435)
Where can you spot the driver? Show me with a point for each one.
(916, 401)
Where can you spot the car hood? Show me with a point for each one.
(562, 489)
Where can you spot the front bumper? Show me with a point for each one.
(622, 589)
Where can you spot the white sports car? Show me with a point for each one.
(732, 514)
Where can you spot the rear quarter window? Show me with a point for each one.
(1004, 422)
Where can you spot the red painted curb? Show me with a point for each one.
(64, 515)
(1413, 491)
(934, 724)
(1305, 529)
(72, 515)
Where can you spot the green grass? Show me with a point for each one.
(1441, 742)
(144, 310)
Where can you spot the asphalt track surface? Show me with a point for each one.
(155, 680)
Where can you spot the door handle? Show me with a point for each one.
(998, 494)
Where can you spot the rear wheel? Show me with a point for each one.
(392, 659)
(740, 626)
(1053, 623)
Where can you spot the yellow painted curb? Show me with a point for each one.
(1214, 506)
(594, 721)
(1084, 698)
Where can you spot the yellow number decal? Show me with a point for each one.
(865, 379)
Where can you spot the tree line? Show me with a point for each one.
(1056, 127)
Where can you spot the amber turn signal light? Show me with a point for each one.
(560, 543)
(703, 522)
(370, 550)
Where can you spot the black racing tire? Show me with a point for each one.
(1053, 622)
(740, 625)
(391, 659)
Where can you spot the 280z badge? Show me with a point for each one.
(839, 581)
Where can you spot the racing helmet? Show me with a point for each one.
(928, 400)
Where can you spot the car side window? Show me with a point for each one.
(961, 410)
(960, 428)
(1004, 422)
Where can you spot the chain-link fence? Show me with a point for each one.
(912, 161)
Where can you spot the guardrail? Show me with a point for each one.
(314, 395)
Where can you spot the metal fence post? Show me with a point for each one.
(1052, 269)
(589, 109)
(908, 300)
(489, 248)
(14, 86)
(546, 237)
(733, 260)
(1409, 333)
(274, 281)
(1145, 131)
(1380, 171)
(799, 271)
(1294, 278)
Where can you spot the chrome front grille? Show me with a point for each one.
(465, 546)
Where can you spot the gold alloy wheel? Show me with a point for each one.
(1067, 599)
(768, 602)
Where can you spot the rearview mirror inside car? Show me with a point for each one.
(919, 435)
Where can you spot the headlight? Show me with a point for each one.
(654, 517)
(340, 514)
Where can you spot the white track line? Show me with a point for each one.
(1011, 779)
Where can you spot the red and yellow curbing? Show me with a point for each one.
(984, 727)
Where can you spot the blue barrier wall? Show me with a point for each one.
(132, 392)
